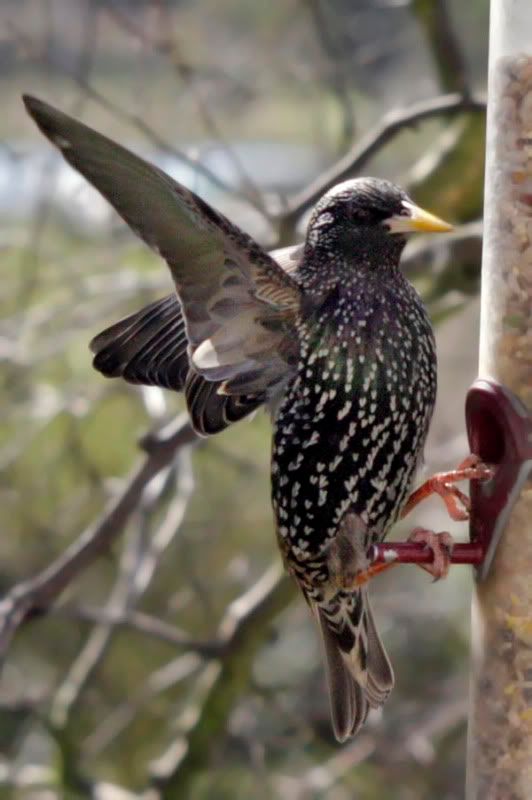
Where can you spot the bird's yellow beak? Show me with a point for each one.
(416, 220)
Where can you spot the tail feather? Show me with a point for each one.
(380, 671)
(359, 673)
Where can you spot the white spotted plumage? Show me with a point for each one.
(358, 408)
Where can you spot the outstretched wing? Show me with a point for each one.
(150, 347)
(238, 304)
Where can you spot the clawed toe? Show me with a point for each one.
(441, 545)
(456, 502)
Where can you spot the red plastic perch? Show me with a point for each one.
(499, 428)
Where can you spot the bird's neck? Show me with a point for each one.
(348, 265)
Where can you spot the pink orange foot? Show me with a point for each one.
(366, 575)
(457, 503)
(441, 545)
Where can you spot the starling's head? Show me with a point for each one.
(369, 215)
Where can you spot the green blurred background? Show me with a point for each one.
(264, 96)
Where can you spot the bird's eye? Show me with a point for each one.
(361, 216)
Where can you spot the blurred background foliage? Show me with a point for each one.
(134, 676)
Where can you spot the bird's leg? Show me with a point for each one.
(441, 545)
(346, 556)
(472, 468)
(371, 572)
(347, 560)
(458, 506)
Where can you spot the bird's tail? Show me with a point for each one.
(359, 673)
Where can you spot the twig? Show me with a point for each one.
(445, 45)
(32, 255)
(136, 120)
(240, 633)
(323, 777)
(457, 177)
(170, 47)
(136, 573)
(145, 624)
(199, 72)
(92, 653)
(243, 629)
(34, 595)
(321, 15)
(121, 717)
(386, 130)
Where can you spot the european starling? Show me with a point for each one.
(330, 336)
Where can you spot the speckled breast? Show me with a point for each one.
(350, 431)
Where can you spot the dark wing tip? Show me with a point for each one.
(148, 347)
(108, 357)
(95, 344)
(37, 109)
(30, 102)
(109, 362)
(47, 118)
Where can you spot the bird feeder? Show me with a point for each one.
(500, 428)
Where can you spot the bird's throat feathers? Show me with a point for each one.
(363, 325)
(345, 257)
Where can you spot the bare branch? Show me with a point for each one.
(33, 596)
(240, 633)
(199, 72)
(135, 120)
(243, 630)
(435, 16)
(136, 573)
(145, 624)
(323, 777)
(159, 681)
(457, 178)
(321, 14)
(170, 47)
(387, 129)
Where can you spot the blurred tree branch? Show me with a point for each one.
(434, 16)
(135, 120)
(143, 623)
(358, 156)
(336, 71)
(457, 180)
(185, 68)
(243, 630)
(33, 596)
(135, 573)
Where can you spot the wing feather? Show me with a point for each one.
(148, 347)
(228, 286)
